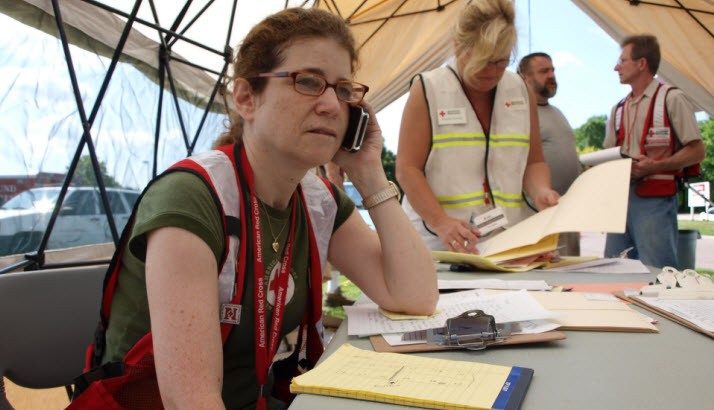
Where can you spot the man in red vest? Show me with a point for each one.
(654, 125)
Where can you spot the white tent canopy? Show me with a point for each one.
(684, 29)
(397, 38)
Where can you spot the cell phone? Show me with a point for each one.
(356, 129)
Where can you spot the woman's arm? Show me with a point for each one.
(181, 284)
(414, 148)
(536, 178)
(392, 266)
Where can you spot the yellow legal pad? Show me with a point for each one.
(415, 381)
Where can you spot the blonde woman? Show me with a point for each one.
(469, 137)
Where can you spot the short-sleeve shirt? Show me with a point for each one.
(681, 119)
(181, 199)
(559, 151)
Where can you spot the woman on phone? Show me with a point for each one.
(224, 254)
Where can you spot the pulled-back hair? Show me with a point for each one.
(644, 46)
(486, 29)
(263, 49)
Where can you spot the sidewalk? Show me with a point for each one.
(594, 244)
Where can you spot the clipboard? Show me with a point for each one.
(671, 316)
(381, 345)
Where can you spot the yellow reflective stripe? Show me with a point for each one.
(510, 140)
(509, 204)
(460, 135)
(458, 139)
(524, 137)
(506, 196)
(457, 144)
(464, 204)
(461, 200)
(508, 200)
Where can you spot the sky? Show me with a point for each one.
(583, 54)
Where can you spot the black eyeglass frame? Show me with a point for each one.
(294, 74)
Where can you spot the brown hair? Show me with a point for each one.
(524, 66)
(486, 29)
(262, 50)
(644, 46)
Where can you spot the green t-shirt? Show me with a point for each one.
(181, 199)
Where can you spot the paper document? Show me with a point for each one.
(595, 202)
(493, 284)
(598, 157)
(577, 311)
(699, 312)
(415, 381)
(605, 265)
(365, 319)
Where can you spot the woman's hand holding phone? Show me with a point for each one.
(368, 159)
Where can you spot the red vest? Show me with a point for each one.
(132, 383)
(658, 141)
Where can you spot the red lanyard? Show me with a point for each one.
(266, 344)
(265, 347)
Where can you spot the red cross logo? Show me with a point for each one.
(442, 113)
(508, 104)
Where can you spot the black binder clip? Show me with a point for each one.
(472, 330)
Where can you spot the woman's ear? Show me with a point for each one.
(243, 98)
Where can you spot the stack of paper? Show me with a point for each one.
(599, 312)
(595, 202)
(415, 381)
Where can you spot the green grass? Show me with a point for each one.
(704, 228)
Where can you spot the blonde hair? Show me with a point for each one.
(486, 30)
(263, 47)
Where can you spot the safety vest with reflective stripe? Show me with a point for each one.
(658, 141)
(455, 168)
(132, 383)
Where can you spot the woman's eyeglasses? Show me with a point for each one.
(315, 85)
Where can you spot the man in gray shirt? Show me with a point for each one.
(555, 133)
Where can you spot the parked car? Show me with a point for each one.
(81, 220)
(357, 199)
(707, 215)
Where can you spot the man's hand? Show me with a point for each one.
(643, 166)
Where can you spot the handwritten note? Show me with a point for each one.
(404, 379)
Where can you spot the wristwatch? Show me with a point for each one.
(375, 199)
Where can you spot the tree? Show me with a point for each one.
(707, 129)
(592, 133)
(84, 174)
(389, 161)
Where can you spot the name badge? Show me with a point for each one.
(230, 313)
(658, 137)
(489, 221)
(450, 116)
(517, 104)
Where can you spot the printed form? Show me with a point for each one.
(365, 319)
